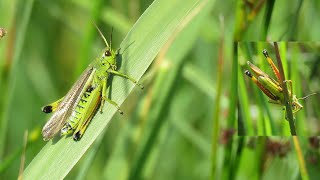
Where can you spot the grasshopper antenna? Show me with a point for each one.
(104, 39)
(111, 37)
(118, 50)
(307, 96)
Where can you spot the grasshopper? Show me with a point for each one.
(74, 111)
(272, 87)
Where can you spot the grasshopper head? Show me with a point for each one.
(108, 57)
(296, 106)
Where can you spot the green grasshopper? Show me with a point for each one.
(272, 87)
(74, 111)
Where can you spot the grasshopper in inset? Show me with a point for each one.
(74, 111)
(272, 87)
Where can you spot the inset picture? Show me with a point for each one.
(278, 88)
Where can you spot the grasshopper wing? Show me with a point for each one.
(65, 108)
(259, 72)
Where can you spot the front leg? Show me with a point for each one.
(125, 76)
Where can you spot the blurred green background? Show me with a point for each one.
(183, 125)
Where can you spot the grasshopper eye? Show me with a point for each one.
(107, 53)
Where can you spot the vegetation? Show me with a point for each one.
(190, 56)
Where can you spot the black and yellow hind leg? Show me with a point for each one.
(52, 107)
(91, 108)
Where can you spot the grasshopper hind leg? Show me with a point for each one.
(52, 107)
